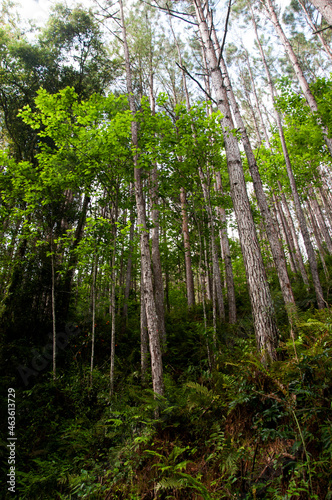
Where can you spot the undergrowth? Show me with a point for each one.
(239, 431)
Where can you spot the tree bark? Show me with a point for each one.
(155, 230)
(263, 311)
(320, 219)
(286, 235)
(93, 329)
(297, 68)
(315, 29)
(112, 313)
(276, 247)
(150, 307)
(321, 251)
(130, 258)
(226, 255)
(187, 256)
(144, 336)
(325, 8)
(289, 220)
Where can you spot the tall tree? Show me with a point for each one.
(149, 302)
(262, 306)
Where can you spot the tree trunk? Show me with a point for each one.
(144, 336)
(325, 8)
(276, 247)
(315, 29)
(317, 238)
(320, 219)
(297, 68)
(112, 310)
(53, 308)
(298, 208)
(130, 258)
(155, 250)
(327, 206)
(156, 262)
(226, 254)
(304, 231)
(93, 293)
(187, 257)
(286, 235)
(150, 307)
(216, 278)
(256, 99)
(290, 224)
(261, 301)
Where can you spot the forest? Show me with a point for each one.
(166, 251)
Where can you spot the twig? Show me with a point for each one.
(323, 29)
(183, 68)
(225, 31)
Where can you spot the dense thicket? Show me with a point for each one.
(165, 251)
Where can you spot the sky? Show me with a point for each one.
(35, 9)
(38, 9)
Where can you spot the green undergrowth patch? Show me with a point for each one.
(238, 430)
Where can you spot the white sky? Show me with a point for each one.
(38, 9)
(35, 9)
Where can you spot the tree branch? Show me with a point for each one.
(183, 68)
(225, 31)
(323, 29)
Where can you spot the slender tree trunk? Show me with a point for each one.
(305, 233)
(253, 114)
(168, 306)
(216, 278)
(297, 68)
(144, 336)
(276, 247)
(298, 208)
(326, 204)
(286, 236)
(187, 256)
(290, 224)
(261, 301)
(325, 8)
(208, 281)
(291, 229)
(320, 219)
(155, 230)
(226, 254)
(93, 293)
(321, 250)
(150, 307)
(256, 99)
(112, 314)
(203, 287)
(53, 308)
(185, 230)
(130, 258)
(315, 29)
